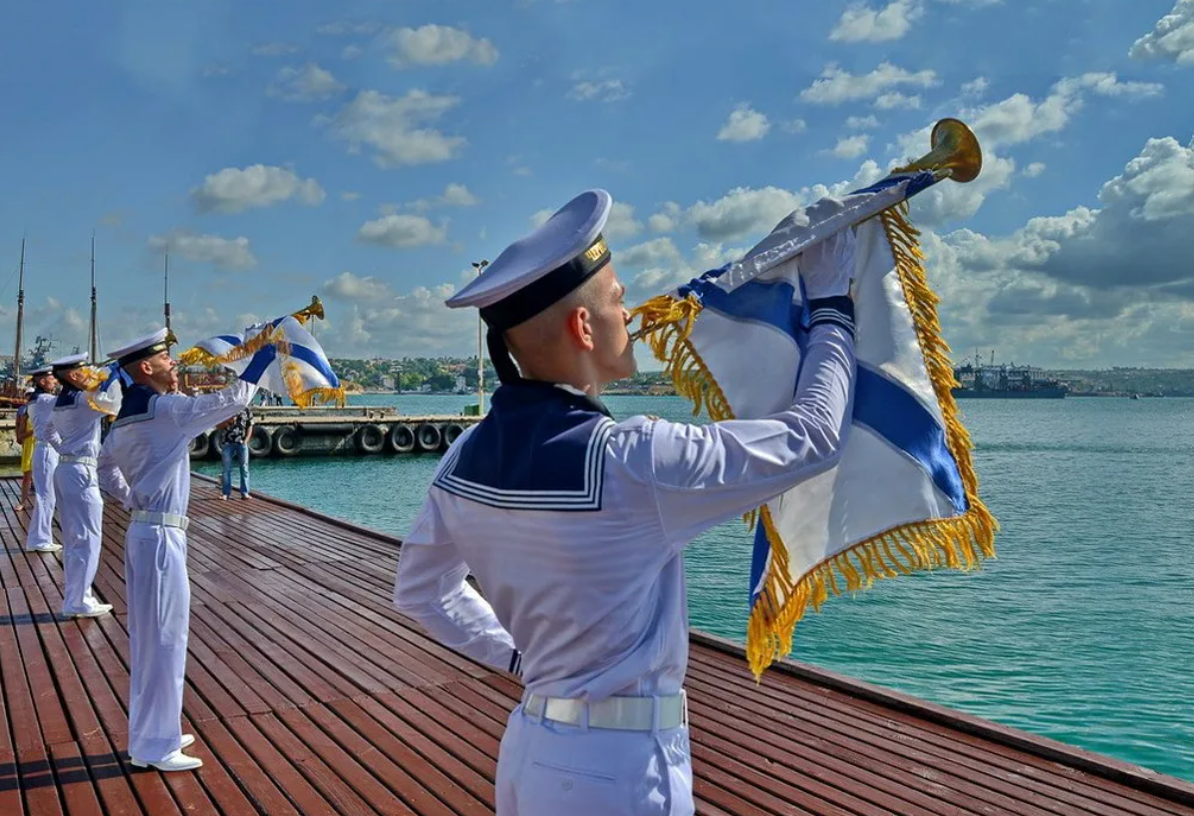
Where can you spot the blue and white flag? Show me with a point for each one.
(904, 496)
(300, 368)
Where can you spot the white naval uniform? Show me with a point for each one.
(45, 461)
(146, 463)
(75, 432)
(583, 575)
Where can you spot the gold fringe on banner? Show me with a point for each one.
(202, 357)
(959, 542)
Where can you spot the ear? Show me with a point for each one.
(580, 327)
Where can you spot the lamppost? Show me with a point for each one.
(479, 266)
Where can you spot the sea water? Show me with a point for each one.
(1082, 629)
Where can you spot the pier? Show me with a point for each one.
(308, 694)
(285, 432)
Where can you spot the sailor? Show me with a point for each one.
(145, 463)
(75, 433)
(574, 525)
(40, 536)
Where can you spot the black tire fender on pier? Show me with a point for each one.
(428, 436)
(452, 432)
(261, 441)
(287, 441)
(200, 446)
(402, 439)
(371, 439)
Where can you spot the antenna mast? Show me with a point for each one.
(166, 291)
(16, 351)
(94, 327)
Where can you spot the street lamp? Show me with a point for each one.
(479, 266)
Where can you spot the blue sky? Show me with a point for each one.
(368, 151)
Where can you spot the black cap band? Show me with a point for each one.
(141, 354)
(534, 298)
(68, 367)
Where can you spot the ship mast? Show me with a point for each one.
(16, 351)
(94, 329)
(166, 292)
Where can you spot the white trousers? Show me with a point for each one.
(551, 769)
(81, 516)
(41, 521)
(159, 604)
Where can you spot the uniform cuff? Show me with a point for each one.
(836, 311)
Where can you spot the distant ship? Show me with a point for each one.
(1004, 381)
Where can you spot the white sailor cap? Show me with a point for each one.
(30, 391)
(43, 369)
(68, 362)
(142, 347)
(542, 267)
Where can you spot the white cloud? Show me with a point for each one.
(651, 253)
(307, 84)
(851, 147)
(402, 231)
(667, 219)
(976, 87)
(1033, 170)
(454, 195)
(836, 85)
(862, 122)
(744, 125)
(601, 90)
(741, 211)
(861, 23)
(348, 195)
(1172, 38)
(439, 45)
(227, 253)
(621, 223)
(351, 52)
(371, 318)
(794, 126)
(395, 127)
(233, 189)
(894, 99)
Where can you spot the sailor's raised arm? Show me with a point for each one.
(195, 415)
(431, 588)
(705, 475)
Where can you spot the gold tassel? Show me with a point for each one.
(960, 542)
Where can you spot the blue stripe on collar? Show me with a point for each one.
(67, 397)
(540, 448)
(136, 405)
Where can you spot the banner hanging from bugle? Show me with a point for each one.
(301, 369)
(904, 496)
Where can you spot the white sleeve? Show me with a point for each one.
(111, 478)
(708, 474)
(431, 588)
(194, 415)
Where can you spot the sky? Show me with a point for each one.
(368, 151)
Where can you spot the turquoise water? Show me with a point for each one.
(1082, 630)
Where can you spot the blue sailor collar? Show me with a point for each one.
(542, 447)
(67, 396)
(136, 404)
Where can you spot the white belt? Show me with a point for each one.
(89, 461)
(162, 519)
(619, 713)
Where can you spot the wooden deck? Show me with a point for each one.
(308, 695)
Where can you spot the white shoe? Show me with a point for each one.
(97, 611)
(46, 548)
(187, 741)
(177, 761)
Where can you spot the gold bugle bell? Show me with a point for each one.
(955, 153)
(314, 310)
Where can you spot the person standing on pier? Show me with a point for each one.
(145, 463)
(26, 441)
(75, 432)
(574, 525)
(40, 536)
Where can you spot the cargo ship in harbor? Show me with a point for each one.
(976, 380)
